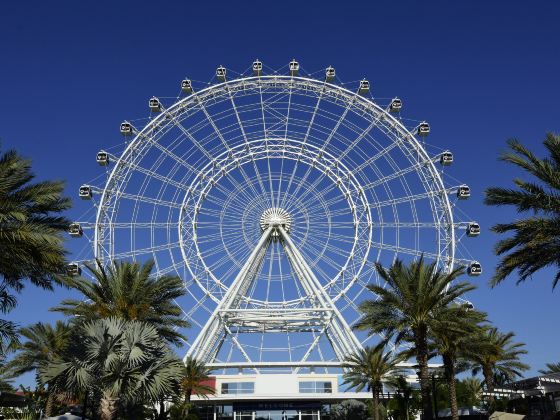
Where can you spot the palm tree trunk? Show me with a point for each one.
(375, 402)
(449, 366)
(108, 407)
(50, 404)
(422, 360)
(489, 381)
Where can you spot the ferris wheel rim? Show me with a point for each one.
(447, 209)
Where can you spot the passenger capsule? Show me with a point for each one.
(474, 269)
(463, 192)
(221, 73)
(330, 74)
(85, 192)
(154, 104)
(294, 67)
(186, 86)
(364, 87)
(396, 105)
(446, 158)
(257, 68)
(75, 230)
(126, 128)
(473, 229)
(73, 269)
(102, 158)
(423, 129)
(468, 306)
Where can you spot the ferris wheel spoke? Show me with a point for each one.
(188, 135)
(144, 251)
(149, 200)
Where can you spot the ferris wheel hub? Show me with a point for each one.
(275, 217)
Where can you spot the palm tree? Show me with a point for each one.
(193, 375)
(500, 356)
(31, 233)
(535, 243)
(367, 368)
(452, 337)
(403, 400)
(408, 306)
(551, 368)
(44, 343)
(126, 362)
(128, 291)
(473, 388)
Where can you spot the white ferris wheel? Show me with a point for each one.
(272, 194)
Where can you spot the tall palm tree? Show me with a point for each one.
(535, 243)
(452, 336)
(551, 368)
(193, 375)
(408, 306)
(31, 233)
(44, 343)
(367, 368)
(126, 362)
(500, 356)
(128, 290)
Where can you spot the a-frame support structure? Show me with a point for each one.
(321, 314)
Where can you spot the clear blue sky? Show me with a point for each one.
(478, 71)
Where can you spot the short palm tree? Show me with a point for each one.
(500, 356)
(192, 381)
(44, 343)
(126, 362)
(551, 368)
(408, 306)
(535, 243)
(367, 368)
(31, 233)
(128, 290)
(404, 403)
(452, 336)
(473, 388)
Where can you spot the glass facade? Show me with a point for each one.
(264, 411)
(315, 387)
(238, 388)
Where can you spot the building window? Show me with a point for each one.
(315, 387)
(238, 387)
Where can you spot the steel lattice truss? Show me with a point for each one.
(273, 196)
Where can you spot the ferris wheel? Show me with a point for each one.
(273, 194)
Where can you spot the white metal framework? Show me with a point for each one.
(273, 196)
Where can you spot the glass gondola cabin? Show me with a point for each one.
(473, 229)
(257, 68)
(186, 86)
(85, 192)
(102, 158)
(154, 104)
(221, 73)
(330, 74)
(446, 158)
(126, 128)
(463, 192)
(474, 269)
(75, 230)
(364, 87)
(396, 105)
(294, 68)
(73, 269)
(423, 129)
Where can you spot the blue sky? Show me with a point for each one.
(479, 72)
